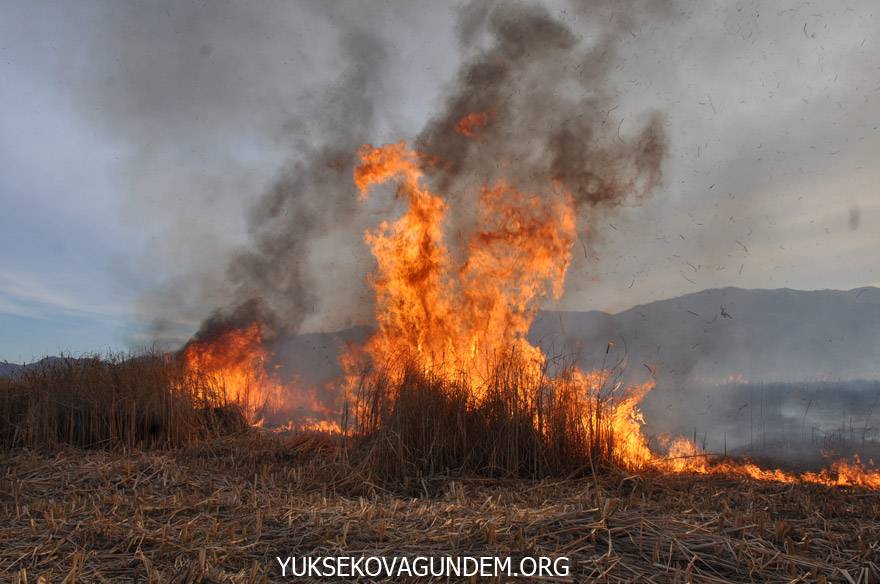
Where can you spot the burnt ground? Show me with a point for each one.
(221, 513)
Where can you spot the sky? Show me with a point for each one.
(136, 139)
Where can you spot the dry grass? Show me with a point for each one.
(222, 511)
(147, 401)
(416, 424)
(429, 470)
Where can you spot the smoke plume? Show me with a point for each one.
(530, 104)
(546, 102)
(310, 195)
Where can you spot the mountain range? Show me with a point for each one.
(717, 334)
(708, 336)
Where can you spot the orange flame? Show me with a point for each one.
(457, 316)
(309, 425)
(470, 124)
(684, 456)
(235, 367)
(234, 364)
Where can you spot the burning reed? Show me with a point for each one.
(415, 423)
(133, 402)
(452, 382)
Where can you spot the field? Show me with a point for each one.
(222, 511)
(440, 281)
(135, 469)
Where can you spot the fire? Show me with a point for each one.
(848, 474)
(309, 425)
(685, 456)
(457, 314)
(470, 124)
(235, 365)
(460, 316)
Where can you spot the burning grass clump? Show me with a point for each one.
(412, 423)
(146, 401)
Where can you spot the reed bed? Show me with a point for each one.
(221, 511)
(513, 423)
(402, 424)
(133, 470)
(144, 401)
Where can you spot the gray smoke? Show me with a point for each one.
(547, 99)
(200, 93)
(311, 196)
(239, 126)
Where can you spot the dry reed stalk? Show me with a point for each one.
(413, 424)
(145, 401)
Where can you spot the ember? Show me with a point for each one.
(472, 123)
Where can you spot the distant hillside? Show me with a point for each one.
(780, 334)
(8, 369)
(761, 335)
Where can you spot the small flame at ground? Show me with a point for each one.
(235, 365)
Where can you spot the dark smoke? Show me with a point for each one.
(549, 101)
(310, 196)
(239, 317)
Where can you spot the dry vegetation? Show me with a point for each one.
(132, 470)
(417, 424)
(221, 511)
(145, 401)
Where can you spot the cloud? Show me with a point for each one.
(24, 295)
